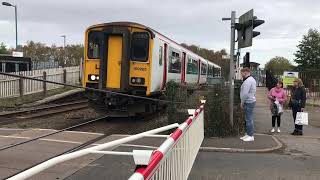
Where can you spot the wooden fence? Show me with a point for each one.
(13, 87)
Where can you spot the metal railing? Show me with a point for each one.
(175, 157)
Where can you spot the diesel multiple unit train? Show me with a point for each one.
(131, 58)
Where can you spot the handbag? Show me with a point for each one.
(294, 103)
(302, 118)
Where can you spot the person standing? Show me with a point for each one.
(277, 95)
(297, 103)
(248, 102)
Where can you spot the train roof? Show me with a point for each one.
(152, 31)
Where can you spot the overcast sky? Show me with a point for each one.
(190, 21)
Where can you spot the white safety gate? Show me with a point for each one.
(173, 160)
(10, 86)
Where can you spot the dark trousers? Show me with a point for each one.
(274, 118)
(294, 113)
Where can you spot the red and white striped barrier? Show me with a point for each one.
(175, 157)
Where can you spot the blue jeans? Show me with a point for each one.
(248, 109)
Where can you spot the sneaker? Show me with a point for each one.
(278, 130)
(244, 137)
(248, 139)
(272, 130)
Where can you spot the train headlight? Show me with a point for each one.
(93, 77)
(137, 80)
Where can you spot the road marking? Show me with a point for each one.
(13, 129)
(134, 145)
(45, 139)
(80, 132)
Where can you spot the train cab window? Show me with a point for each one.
(203, 69)
(140, 46)
(192, 67)
(160, 55)
(174, 62)
(94, 45)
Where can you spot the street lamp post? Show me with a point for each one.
(16, 19)
(64, 49)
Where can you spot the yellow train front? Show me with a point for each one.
(133, 59)
(117, 58)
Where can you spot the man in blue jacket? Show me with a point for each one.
(248, 102)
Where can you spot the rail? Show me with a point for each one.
(175, 157)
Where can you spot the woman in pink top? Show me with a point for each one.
(276, 93)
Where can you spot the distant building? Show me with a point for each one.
(256, 72)
(9, 63)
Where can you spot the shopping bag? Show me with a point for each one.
(279, 107)
(302, 118)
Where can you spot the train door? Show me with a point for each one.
(114, 49)
(183, 72)
(199, 70)
(164, 81)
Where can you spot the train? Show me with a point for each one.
(131, 58)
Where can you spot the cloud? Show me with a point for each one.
(189, 21)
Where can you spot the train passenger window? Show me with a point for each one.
(210, 71)
(140, 46)
(174, 62)
(203, 69)
(160, 55)
(93, 45)
(192, 67)
(217, 72)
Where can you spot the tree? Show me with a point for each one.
(3, 49)
(308, 53)
(278, 65)
(40, 52)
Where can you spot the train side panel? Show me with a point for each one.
(156, 77)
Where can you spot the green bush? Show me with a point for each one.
(216, 108)
(217, 122)
(176, 111)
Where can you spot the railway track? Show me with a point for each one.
(38, 112)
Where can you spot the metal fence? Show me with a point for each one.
(13, 87)
(175, 157)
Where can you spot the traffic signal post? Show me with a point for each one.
(247, 22)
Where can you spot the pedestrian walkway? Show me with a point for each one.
(265, 141)
(263, 118)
